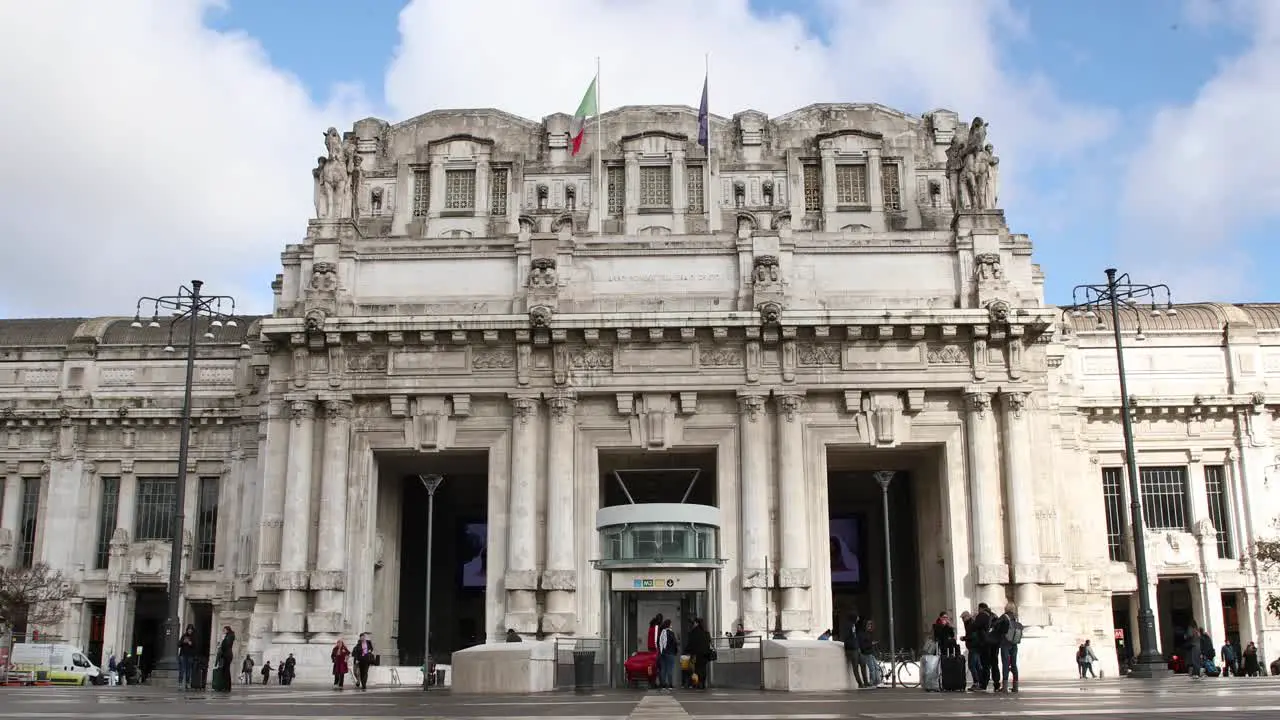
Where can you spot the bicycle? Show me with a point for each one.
(902, 670)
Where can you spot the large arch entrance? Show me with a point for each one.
(857, 540)
(459, 552)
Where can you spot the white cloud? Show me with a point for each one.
(535, 59)
(1209, 170)
(142, 150)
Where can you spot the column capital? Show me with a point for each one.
(523, 407)
(126, 467)
(300, 410)
(11, 467)
(562, 406)
(1015, 402)
(790, 405)
(338, 409)
(977, 401)
(751, 405)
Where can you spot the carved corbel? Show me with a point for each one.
(461, 403)
(540, 317)
(882, 410)
(562, 406)
(429, 420)
(790, 406)
(770, 314)
(978, 402)
(1015, 402)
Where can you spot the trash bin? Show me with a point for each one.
(584, 667)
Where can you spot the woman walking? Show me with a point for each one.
(340, 668)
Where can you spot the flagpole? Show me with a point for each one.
(602, 200)
(708, 190)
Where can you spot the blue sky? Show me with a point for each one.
(1134, 132)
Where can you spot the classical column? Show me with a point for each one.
(10, 519)
(793, 573)
(560, 577)
(1020, 502)
(754, 473)
(331, 540)
(875, 184)
(521, 577)
(294, 541)
(989, 571)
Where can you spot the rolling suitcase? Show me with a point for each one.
(954, 674)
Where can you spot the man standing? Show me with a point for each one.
(987, 646)
(363, 657)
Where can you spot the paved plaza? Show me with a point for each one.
(1175, 699)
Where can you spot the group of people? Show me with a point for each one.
(662, 639)
(344, 659)
(1201, 658)
(859, 650)
(362, 656)
(991, 642)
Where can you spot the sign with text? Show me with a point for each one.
(651, 581)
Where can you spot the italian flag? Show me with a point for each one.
(586, 109)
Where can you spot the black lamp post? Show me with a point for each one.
(1094, 302)
(884, 478)
(431, 483)
(188, 304)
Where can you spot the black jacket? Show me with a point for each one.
(697, 643)
(360, 655)
(980, 630)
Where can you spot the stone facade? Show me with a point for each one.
(837, 278)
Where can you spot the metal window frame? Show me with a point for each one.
(421, 192)
(854, 175)
(695, 186)
(154, 515)
(28, 520)
(108, 513)
(1216, 491)
(891, 192)
(499, 190)
(460, 189)
(1113, 507)
(811, 186)
(1165, 497)
(209, 497)
(616, 189)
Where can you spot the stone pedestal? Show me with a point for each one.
(803, 665)
(505, 668)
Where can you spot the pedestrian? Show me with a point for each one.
(339, 657)
(364, 657)
(246, 670)
(698, 645)
(186, 656)
(266, 671)
(668, 656)
(223, 660)
(1008, 633)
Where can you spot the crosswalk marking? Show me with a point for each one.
(658, 707)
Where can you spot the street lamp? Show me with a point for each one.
(884, 477)
(431, 483)
(1092, 301)
(190, 305)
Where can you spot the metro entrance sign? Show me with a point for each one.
(648, 581)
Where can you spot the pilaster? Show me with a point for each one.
(989, 569)
(329, 577)
(295, 543)
(10, 517)
(755, 509)
(793, 574)
(559, 579)
(1020, 504)
(875, 185)
(521, 578)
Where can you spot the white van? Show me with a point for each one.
(65, 664)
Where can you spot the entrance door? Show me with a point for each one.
(631, 611)
(149, 613)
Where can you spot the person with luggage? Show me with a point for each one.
(1008, 632)
(987, 646)
(944, 635)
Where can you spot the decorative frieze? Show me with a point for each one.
(948, 354)
(720, 357)
(818, 355)
(494, 359)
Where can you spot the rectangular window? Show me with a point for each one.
(1215, 486)
(655, 187)
(421, 192)
(851, 184)
(1164, 498)
(615, 177)
(812, 187)
(28, 517)
(694, 188)
(1113, 505)
(155, 508)
(498, 190)
(207, 523)
(107, 521)
(891, 186)
(460, 190)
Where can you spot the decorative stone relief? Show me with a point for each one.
(978, 402)
(999, 311)
(972, 170)
(789, 406)
(1016, 403)
(315, 319)
(324, 277)
(946, 355)
(770, 313)
(300, 410)
(766, 270)
(540, 316)
(367, 362)
(561, 407)
(987, 267)
(495, 359)
(523, 408)
(720, 357)
(335, 410)
(751, 407)
(819, 354)
(591, 359)
(542, 273)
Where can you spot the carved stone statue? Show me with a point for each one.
(988, 266)
(324, 277)
(375, 200)
(972, 170)
(335, 178)
(766, 269)
(318, 193)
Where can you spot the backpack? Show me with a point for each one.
(1081, 653)
(1013, 635)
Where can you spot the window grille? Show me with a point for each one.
(851, 184)
(421, 192)
(155, 506)
(107, 521)
(29, 514)
(616, 180)
(1164, 498)
(655, 187)
(207, 523)
(812, 188)
(891, 186)
(459, 189)
(694, 188)
(1113, 505)
(1215, 485)
(498, 191)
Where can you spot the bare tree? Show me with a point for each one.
(1266, 553)
(35, 596)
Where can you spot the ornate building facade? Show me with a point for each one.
(769, 321)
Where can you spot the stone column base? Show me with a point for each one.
(525, 622)
(559, 622)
